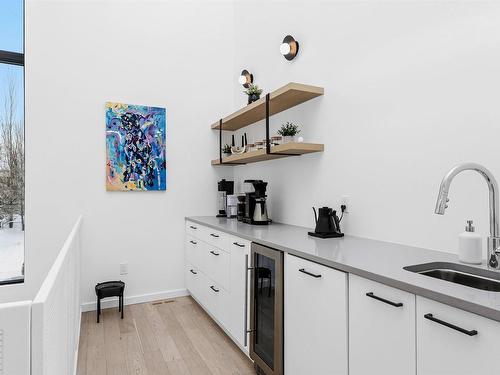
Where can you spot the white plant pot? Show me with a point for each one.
(289, 138)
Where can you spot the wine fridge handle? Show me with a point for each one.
(246, 328)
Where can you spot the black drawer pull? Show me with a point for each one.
(192, 227)
(449, 325)
(193, 272)
(395, 304)
(214, 289)
(214, 253)
(309, 273)
(238, 244)
(193, 242)
(214, 235)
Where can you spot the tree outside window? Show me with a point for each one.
(12, 223)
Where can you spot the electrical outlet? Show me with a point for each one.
(123, 268)
(345, 201)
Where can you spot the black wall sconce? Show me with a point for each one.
(245, 78)
(289, 48)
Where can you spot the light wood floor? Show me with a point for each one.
(173, 337)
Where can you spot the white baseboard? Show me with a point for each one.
(132, 300)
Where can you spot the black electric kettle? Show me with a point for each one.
(327, 223)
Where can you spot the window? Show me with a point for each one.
(11, 141)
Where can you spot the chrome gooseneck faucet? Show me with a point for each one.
(493, 259)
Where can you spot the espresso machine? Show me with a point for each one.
(255, 203)
(224, 188)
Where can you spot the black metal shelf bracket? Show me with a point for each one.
(268, 143)
(220, 141)
(220, 147)
(268, 139)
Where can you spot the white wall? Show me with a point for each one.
(80, 54)
(411, 88)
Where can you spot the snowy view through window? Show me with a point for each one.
(11, 142)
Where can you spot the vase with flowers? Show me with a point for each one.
(253, 92)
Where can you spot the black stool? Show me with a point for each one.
(109, 289)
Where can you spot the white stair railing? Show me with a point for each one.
(56, 313)
(15, 338)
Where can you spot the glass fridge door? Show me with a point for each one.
(265, 271)
(267, 299)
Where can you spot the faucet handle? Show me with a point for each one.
(493, 262)
(494, 253)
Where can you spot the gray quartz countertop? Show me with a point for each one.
(376, 260)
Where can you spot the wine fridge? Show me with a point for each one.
(266, 310)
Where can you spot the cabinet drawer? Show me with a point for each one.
(193, 229)
(193, 280)
(239, 244)
(381, 329)
(193, 251)
(467, 347)
(216, 300)
(315, 318)
(216, 264)
(215, 238)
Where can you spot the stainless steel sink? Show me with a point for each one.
(460, 274)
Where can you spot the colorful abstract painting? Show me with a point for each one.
(135, 147)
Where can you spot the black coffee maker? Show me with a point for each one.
(255, 204)
(327, 223)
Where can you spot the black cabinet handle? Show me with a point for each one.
(193, 242)
(309, 273)
(449, 325)
(214, 253)
(214, 235)
(395, 304)
(192, 227)
(193, 272)
(238, 244)
(214, 289)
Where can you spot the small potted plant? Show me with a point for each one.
(253, 92)
(226, 150)
(288, 131)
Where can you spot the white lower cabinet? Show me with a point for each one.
(315, 318)
(193, 251)
(238, 308)
(217, 277)
(192, 229)
(455, 342)
(381, 329)
(195, 281)
(191, 273)
(216, 301)
(216, 264)
(335, 323)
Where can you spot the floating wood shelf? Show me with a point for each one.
(294, 148)
(281, 99)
